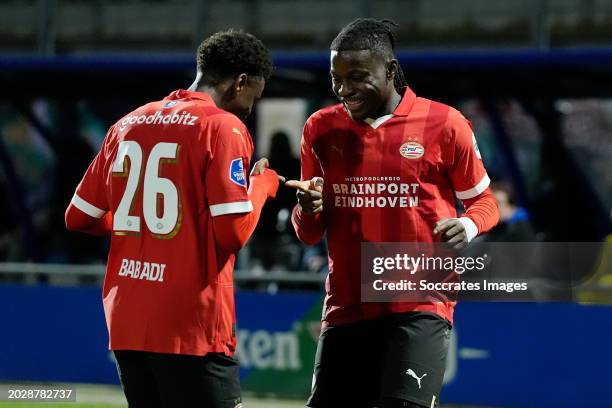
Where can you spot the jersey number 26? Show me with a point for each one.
(154, 188)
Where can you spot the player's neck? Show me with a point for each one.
(388, 107)
(392, 103)
(213, 92)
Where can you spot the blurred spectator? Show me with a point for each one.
(503, 263)
(274, 243)
(514, 223)
(9, 235)
(281, 156)
(48, 150)
(314, 258)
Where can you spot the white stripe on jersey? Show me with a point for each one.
(474, 191)
(375, 123)
(86, 207)
(231, 208)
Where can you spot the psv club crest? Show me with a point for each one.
(412, 150)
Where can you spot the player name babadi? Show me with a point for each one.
(136, 269)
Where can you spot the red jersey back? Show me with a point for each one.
(388, 180)
(164, 171)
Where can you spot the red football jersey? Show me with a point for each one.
(388, 180)
(164, 170)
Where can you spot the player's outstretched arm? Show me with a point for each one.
(307, 217)
(232, 231)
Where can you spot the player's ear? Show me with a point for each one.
(392, 67)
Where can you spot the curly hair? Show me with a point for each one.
(229, 53)
(370, 34)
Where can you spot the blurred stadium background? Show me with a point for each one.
(533, 76)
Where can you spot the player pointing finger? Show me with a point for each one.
(309, 194)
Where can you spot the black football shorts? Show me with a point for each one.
(396, 360)
(156, 380)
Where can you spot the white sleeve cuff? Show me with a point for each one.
(86, 207)
(231, 208)
(476, 190)
(470, 228)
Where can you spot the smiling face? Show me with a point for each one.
(363, 81)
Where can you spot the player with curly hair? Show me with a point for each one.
(170, 186)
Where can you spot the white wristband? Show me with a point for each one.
(471, 229)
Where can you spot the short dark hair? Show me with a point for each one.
(370, 34)
(228, 53)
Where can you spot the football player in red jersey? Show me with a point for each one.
(383, 166)
(170, 185)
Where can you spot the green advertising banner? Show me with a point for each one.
(277, 339)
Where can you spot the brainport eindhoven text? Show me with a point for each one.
(380, 195)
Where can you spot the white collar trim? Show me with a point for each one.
(375, 123)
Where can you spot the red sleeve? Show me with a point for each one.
(233, 230)
(77, 220)
(482, 210)
(465, 168)
(87, 211)
(309, 228)
(226, 176)
(311, 167)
